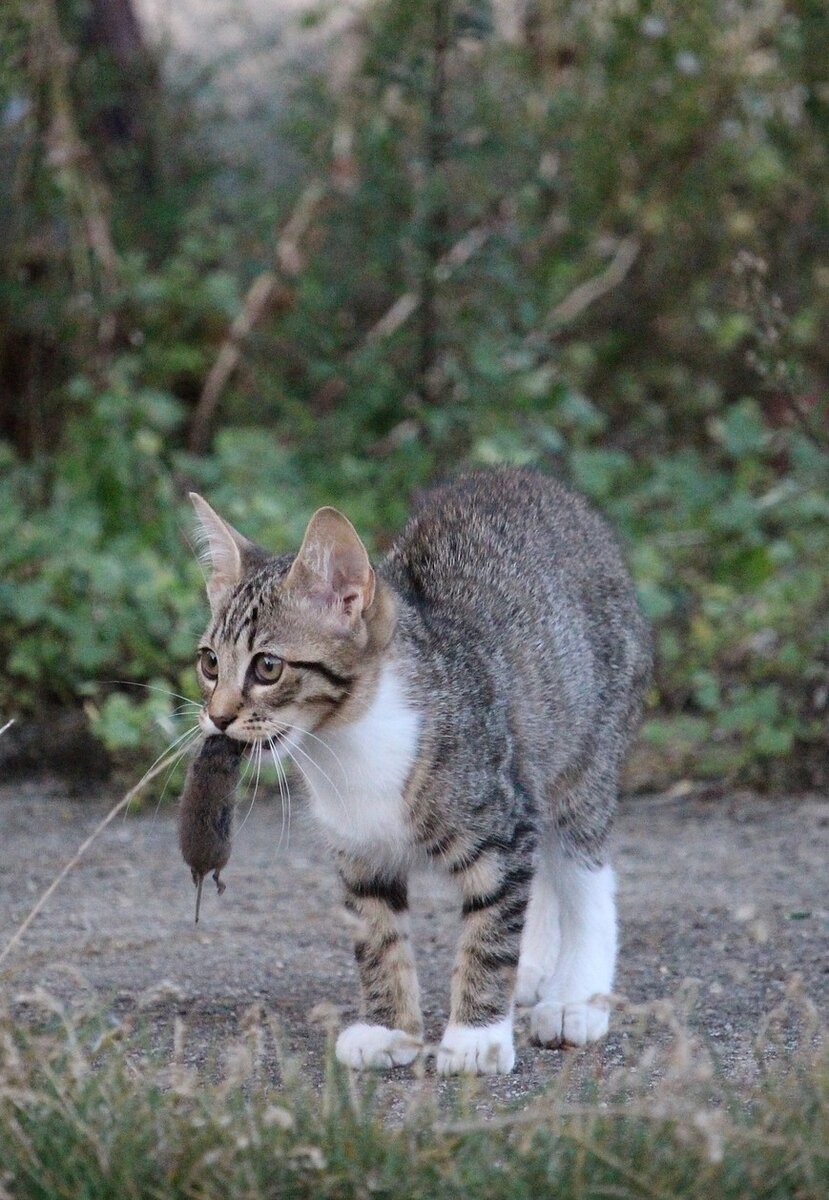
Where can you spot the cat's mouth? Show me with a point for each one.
(255, 741)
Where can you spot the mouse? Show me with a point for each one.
(208, 801)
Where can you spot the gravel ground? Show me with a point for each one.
(729, 892)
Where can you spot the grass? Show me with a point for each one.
(86, 1112)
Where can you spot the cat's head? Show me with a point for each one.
(294, 642)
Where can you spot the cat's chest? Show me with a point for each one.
(357, 776)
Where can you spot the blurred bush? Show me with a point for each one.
(597, 241)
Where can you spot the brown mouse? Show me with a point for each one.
(205, 823)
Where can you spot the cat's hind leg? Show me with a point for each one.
(572, 1009)
(390, 1034)
(541, 939)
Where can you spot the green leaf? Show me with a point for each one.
(741, 430)
(746, 569)
(773, 742)
(598, 472)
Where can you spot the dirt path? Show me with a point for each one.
(731, 892)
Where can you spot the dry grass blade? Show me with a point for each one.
(121, 806)
(99, 1105)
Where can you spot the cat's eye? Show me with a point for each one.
(267, 668)
(209, 664)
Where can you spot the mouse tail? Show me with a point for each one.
(199, 888)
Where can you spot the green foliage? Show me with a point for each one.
(94, 581)
(613, 235)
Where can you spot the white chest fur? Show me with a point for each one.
(357, 773)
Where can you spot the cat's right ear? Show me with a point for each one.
(332, 570)
(223, 549)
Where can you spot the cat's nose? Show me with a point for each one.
(222, 721)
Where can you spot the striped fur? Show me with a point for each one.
(470, 703)
(382, 948)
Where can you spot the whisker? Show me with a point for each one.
(176, 759)
(322, 742)
(247, 766)
(187, 733)
(150, 687)
(255, 786)
(286, 746)
(284, 796)
(316, 765)
(258, 761)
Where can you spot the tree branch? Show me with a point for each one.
(267, 293)
(407, 305)
(591, 290)
(68, 155)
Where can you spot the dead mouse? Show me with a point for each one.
(205, 822)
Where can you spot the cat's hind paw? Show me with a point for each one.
(477, 1049)
(529, 987)
(376, 1048)
(555, 1024)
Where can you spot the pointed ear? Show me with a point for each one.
(332, 568)
(224, 549)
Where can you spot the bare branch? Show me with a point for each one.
(266, 294)
(67, 154)
(591, 290)
(407, 304)
(259, 299)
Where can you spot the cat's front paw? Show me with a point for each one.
(376, 1047)
(555, 1024)
(477, 1050)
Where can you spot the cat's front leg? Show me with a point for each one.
(496, 887)
(391, 1032)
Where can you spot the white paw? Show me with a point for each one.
(556, 1024)
(376, 1048)
(529, 986)
(477, 1049)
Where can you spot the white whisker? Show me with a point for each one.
(287, 747)
(279, 775)
(322, 742)
(186, 743)
(247, 767)
(187, 733)
(285, 797)
(258, 759)
(150, 687)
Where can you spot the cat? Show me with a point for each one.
(469, 702)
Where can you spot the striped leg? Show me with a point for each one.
(496, 891)
(390, 1034)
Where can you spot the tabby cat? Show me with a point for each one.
(469, 703)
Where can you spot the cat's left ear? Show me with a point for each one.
(226, 550)
(332, 567)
